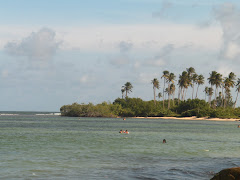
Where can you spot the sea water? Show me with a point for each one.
(55, 147)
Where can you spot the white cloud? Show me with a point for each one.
(5, 73)
(120, 60)
(232, 50)
(224, 69)
(105, 38)
(41, 45)
(87, 79)
(229, 18)
(125, 46)
(146, 78)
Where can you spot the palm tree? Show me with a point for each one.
(183, 84)
(165, 76)
(155, 83)
(128, 88)
(122, 90)
(238, 90)
(191, 72)
(212, 79)
(200, 81)
(170, 79)
(159, 95)
(206, 92)
(172, 91)
(228, 84)
(210, 93)
(194, 80)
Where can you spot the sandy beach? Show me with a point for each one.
(190, 118)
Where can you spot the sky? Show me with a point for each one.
(54, 53)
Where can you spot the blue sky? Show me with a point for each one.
(58, 52)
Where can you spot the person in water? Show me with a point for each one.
(120, 131)
(164, 141)
(126, 132)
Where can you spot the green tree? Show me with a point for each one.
(210, 93)
(172, 91)
(164, 76)
(206, 92)
(128, 88)
(155, 83)
(200, 81)
(212, 80)
(123, 90)
(238, 90)
(194, 81)
(183, 84)
(228, 84)
(191, 72)
(170, 79)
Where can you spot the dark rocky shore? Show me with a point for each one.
(228, 174)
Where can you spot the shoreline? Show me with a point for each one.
(193, 118)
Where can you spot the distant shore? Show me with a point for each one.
(189, 118)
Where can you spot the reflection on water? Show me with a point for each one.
(52, 147)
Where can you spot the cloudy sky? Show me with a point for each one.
(58, 52)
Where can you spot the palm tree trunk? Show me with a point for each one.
(169, 96)
(225, 100)
(154, 93)
(192, 90)
(197, 92)
(222, 97)
(185, 94)
(179, 91)
(173, 98)
(236, 100)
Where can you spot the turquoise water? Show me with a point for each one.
(54, 147)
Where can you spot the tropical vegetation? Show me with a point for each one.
(220, 102)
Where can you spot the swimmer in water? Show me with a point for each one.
(126, 132)
(120, 131)
(164, 141)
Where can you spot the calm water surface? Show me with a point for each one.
(54, 147)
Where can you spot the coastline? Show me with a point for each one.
(189, 118)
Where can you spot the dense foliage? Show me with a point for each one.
(220, 102)
(136, 107)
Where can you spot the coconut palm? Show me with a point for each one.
(183, 84)
(212, 79)
(206, 92)
(191, 72)
(122, 90)
(155, 83)
(170, 79)
(165, 76)
(200, 81)
(238, 90)
(210, 93)
(159, 95)
(228, 84)
(172, 91)
(194, 80)
(218, 82)
(128, 88)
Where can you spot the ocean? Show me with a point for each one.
(45, 146)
